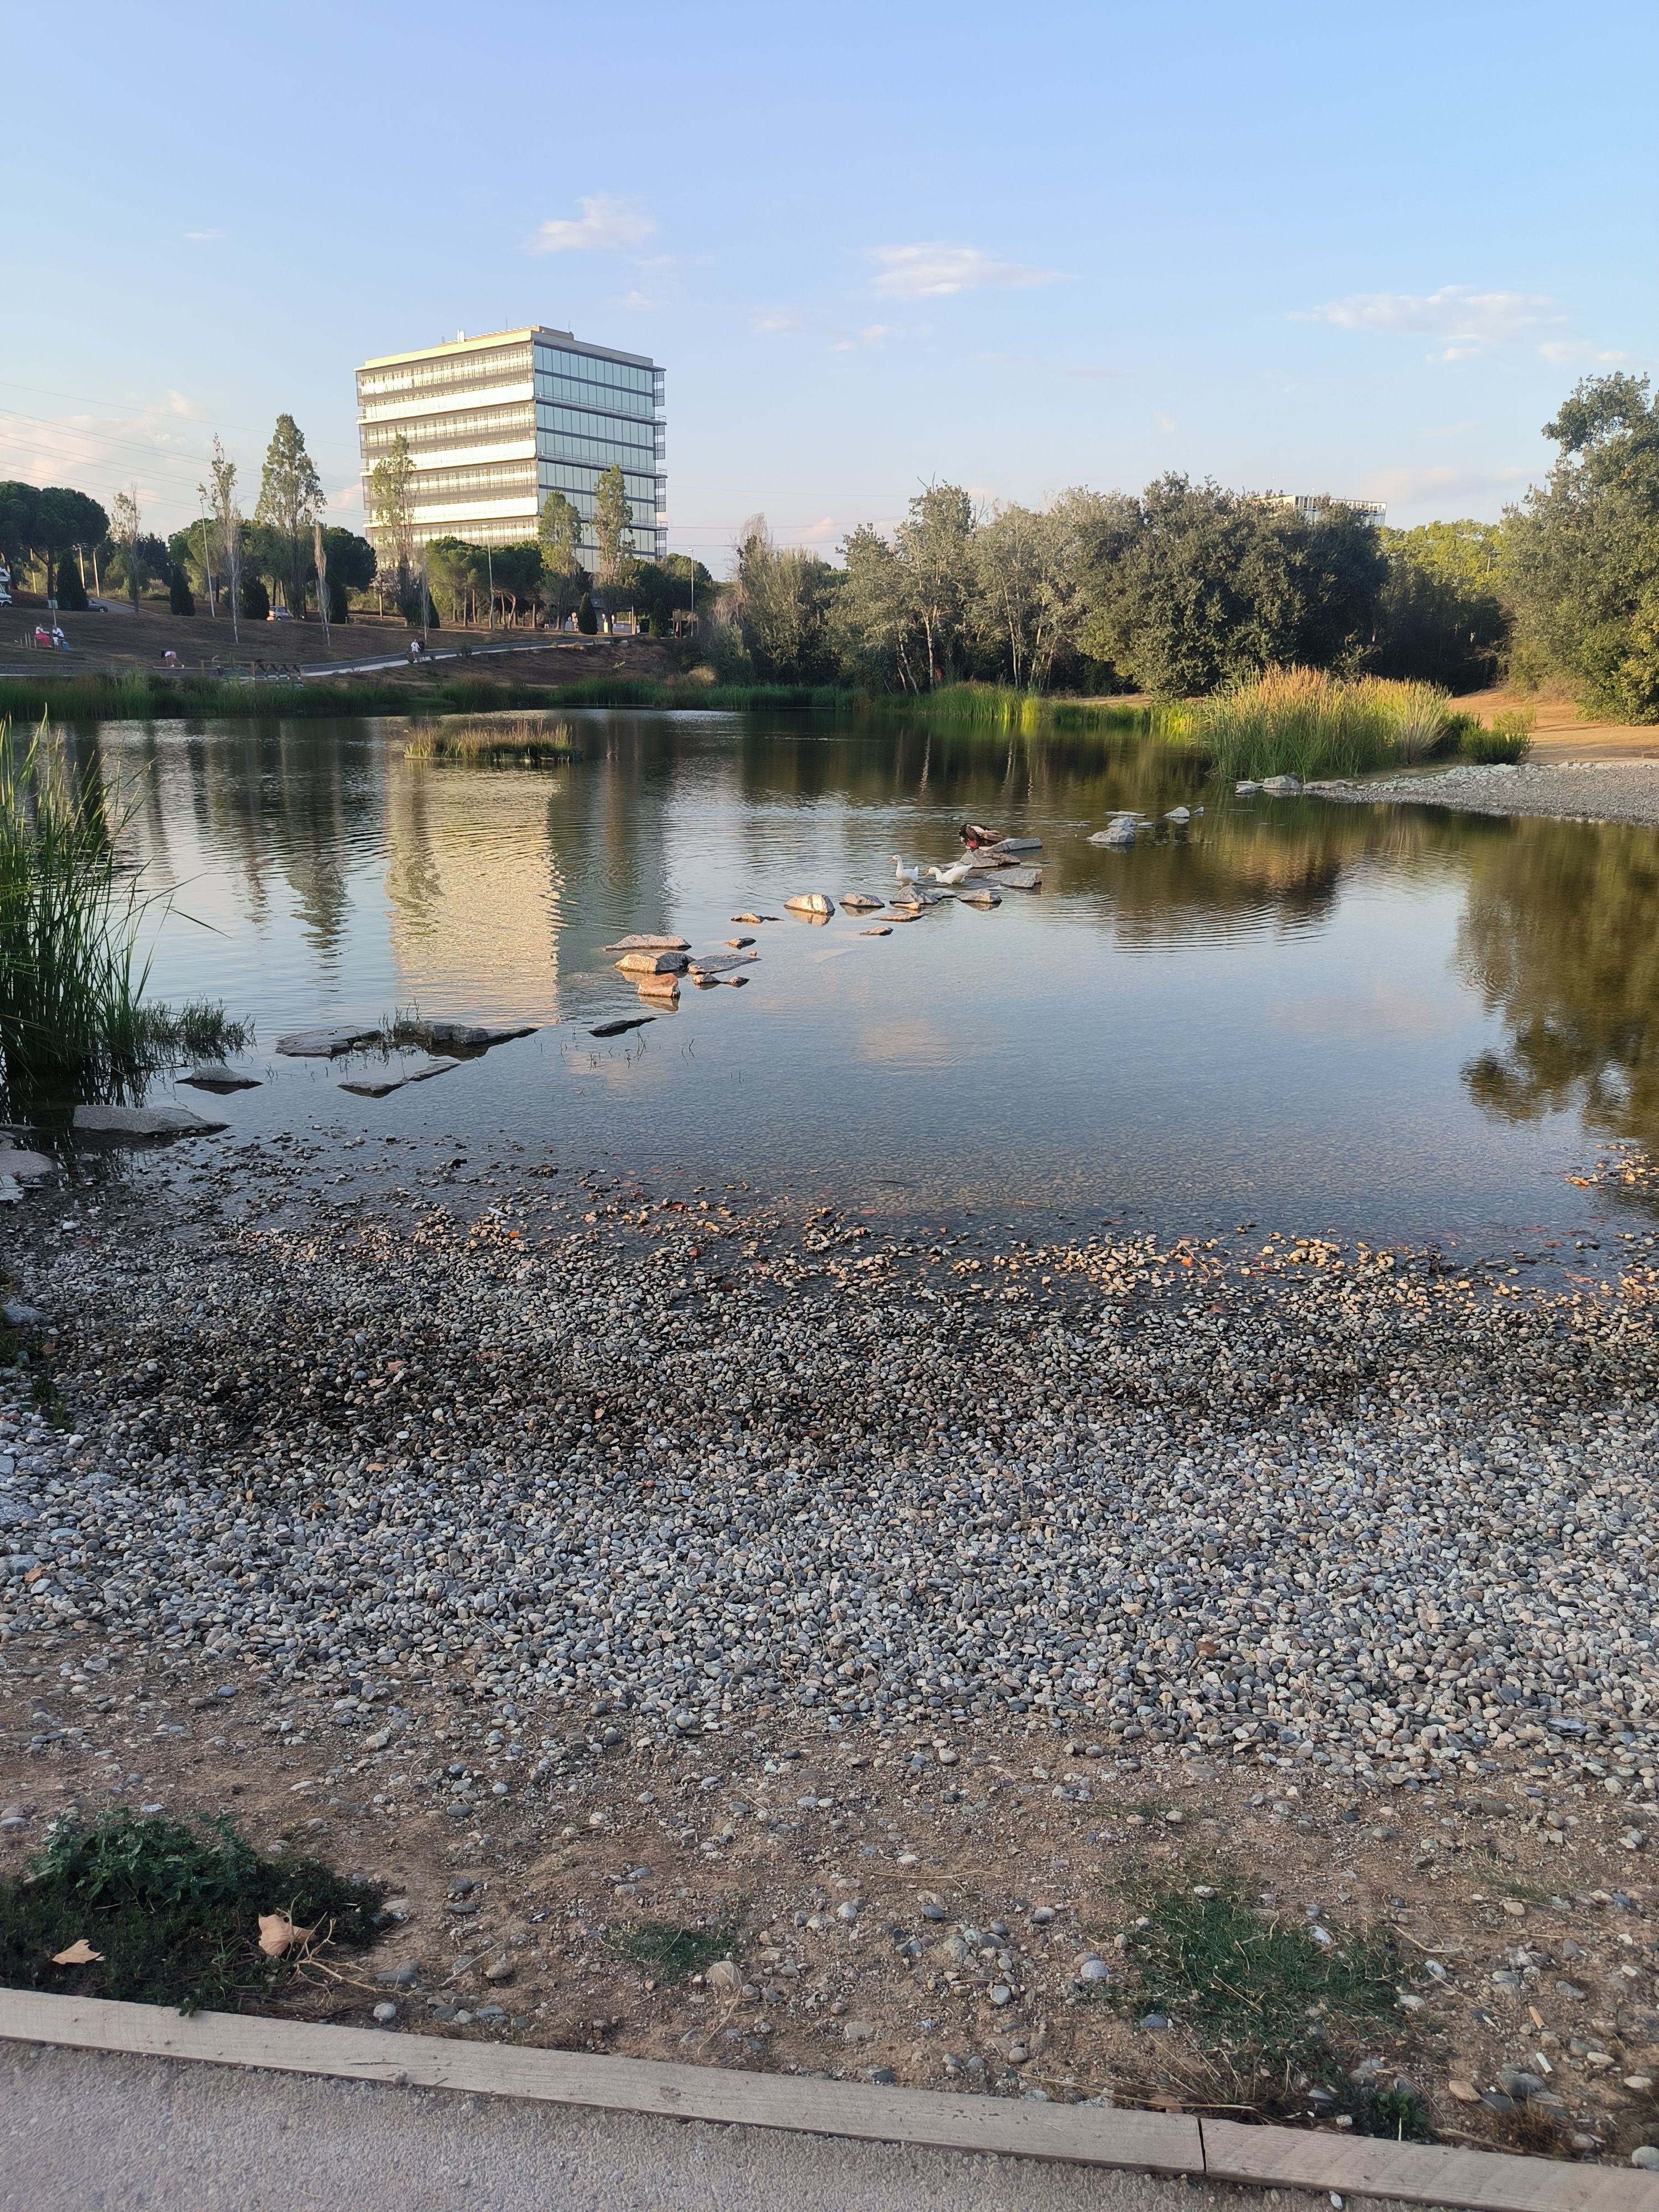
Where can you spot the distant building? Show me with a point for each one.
(495, 423)
(1310, 505)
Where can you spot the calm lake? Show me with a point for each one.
(1326, 1020)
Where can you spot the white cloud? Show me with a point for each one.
(178, 404)
(1466, 322)
(604, 225)
(1570, 353)
(637, 303)
(1164, 421)
(931, 273)
(873, 334)
(202, 237)
(1443, 486)
(772, 322)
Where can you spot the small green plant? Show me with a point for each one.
(1506, 738)
(1272, 2006)
(172, 1909)
(668, 1952)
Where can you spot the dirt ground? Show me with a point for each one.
(1562, 733)
(909, 1905)
(126, 639)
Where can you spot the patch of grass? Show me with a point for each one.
(669, 1952)
(1273, 2012)
(1302, 722)
(174, 1906)
(529, 744)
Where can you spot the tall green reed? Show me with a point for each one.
(1302, 722)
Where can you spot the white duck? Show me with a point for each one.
(954, 873)
(902, 874)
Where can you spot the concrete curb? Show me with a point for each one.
(1146, 2142)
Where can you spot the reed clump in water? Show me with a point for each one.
(519, 739)
(73, 1019)
(1302, 722)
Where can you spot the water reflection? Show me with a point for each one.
(1391, 1020)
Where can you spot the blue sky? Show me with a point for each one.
(1295, 247)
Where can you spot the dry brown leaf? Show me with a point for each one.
(277, 1933)
(79, 1954)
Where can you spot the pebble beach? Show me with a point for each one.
(692, 1457)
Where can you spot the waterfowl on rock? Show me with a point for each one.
(902, 874)
(975, 833)
(954, 873)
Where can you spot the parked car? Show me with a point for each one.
(279, 614)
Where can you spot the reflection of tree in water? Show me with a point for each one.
(1561, 938)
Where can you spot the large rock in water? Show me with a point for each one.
(812, 902)
(26, 1167)
(326, 1044)
(649, 945)
(132, 1125)
(460, 1036)
(860, 902)
(652, 963)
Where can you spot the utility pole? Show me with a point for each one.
(490, 563)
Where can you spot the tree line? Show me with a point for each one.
(1189, 585)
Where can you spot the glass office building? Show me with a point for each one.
(493, 424)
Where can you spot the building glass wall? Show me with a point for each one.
(493, 424)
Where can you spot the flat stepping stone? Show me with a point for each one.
(382, 1086)
(326, 1044)
(214, 1075)
(721, 963)
(1005, 879)
(751, 919)
(133, 1124)
(738, 943)
(885, 928)
(862, 903)
(1019, 845)
(649, 945)
(659, 987)
(615, 1029)
(818, 902)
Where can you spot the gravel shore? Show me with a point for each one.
(690, 1458)
(1574, 791)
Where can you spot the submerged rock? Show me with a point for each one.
(615, 1029)
(132, 1124)
(862, 903)
(1281, 786)
(382, 1086)
(720, 963)
(460, 1036)
(1245, 789)
(651, 944)
(214, 1075)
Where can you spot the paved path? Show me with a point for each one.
(82, 2132)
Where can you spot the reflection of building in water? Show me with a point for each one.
(474, 891)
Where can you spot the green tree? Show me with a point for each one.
(775, 617)
(613, 529)
(454, 572)
(219, 494)
(1440, 618)
(559, 534)
(254, 598)
(290, 499)
(518, 576)
(1208, 585)
(1580, 559)
(868, 620)
(392, 523)
(934, 546)
(350, 568)
(180, 599)
(126, 527)
(587, 620)
(63, 520)
(68, 584)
